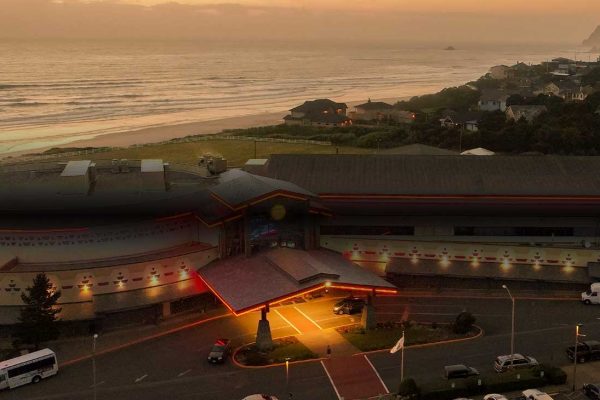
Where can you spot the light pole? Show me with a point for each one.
(577, 335)
(287, 377)
(94, 364)
(512, 327)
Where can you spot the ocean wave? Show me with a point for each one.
(91, 103)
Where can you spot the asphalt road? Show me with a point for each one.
(175, 367)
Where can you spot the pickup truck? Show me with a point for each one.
(586, 351)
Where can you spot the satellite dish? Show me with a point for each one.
(587, 244)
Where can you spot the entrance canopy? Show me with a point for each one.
(247, 284)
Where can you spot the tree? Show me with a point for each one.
(38, 321)
(464, 322)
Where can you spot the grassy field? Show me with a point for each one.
(385, 338)
(237, 152)
(286, 348)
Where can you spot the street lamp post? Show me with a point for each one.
(512, 327)
(94, 364)
(287, 377)
(577, 335)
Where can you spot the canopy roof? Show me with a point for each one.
(247, 284)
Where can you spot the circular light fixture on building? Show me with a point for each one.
(278, 212)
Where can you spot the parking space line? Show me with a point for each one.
(288, 321)
(98, 384)
(308, 318)
(377, 373)
(187, 371)
(331, 380)
(141, 378)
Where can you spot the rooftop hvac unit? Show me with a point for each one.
(124, 165)
(202, 161)
(114, 166)
(216, 165)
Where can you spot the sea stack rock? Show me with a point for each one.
(594, 39)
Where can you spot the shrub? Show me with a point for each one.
(464, 322)
(408, 389)
(508, 382)
(554, 375)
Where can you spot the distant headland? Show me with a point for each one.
(593, 40)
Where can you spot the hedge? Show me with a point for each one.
(498, 383)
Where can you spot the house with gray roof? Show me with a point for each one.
(529, 112)
(320, 112)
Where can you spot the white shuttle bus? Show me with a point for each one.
(30, 368)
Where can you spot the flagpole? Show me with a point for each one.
(402, 360)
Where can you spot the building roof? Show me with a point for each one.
(76, 168)
(375, 105)
(494, 95)
(418, 149)
(269, 277)
(152, 166)
(319, 105)
(528, 112)
(462, 117)
(439, 175)
(479, 151)
(239, 187)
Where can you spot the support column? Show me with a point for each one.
(247, 247)
(264, 340)
(368, 319)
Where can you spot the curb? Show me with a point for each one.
(417, 346)
(142, 340)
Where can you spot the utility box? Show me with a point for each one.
(77, 177)
(153, 175)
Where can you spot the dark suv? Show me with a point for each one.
(350, 305)
(592, 390)
(219, 351)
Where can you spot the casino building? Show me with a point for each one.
(119, 235)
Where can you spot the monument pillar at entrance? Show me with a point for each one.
(264, 340)
(368, 319)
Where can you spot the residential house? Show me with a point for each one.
(516, 112)
(467, 120)
(380, 111)
(321, 112)
(493, 100)
(501, 72)
(566, 89)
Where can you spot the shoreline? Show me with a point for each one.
(159, 134)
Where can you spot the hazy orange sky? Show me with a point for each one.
(478, 6)
(405, 21)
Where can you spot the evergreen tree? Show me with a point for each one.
(38, 321)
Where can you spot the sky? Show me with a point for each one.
(330, 21)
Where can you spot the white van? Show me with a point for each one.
(30, 368)
(592, 296)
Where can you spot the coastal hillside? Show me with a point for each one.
(594, 39)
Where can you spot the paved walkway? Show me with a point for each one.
(354, 377)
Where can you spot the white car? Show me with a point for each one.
(259, 397)
(494, 396)
(534, 394)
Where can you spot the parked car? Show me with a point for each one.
(219, 351)
(459, 371)
(592, 390)
(350, 305)
(259, 397)
(494, 396)
(586, 351)
(515, 361)
(534, 394)
(592, 295)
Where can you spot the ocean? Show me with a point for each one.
(53, 92)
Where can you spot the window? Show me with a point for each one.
(512, 231)
(367, 230)
(47, 362)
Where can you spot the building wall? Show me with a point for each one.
(80, 285)
(101, 242)
(377, 252)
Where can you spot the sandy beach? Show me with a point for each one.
(164, 133)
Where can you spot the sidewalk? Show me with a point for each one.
(318, 341)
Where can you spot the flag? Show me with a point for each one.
(398, 346)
